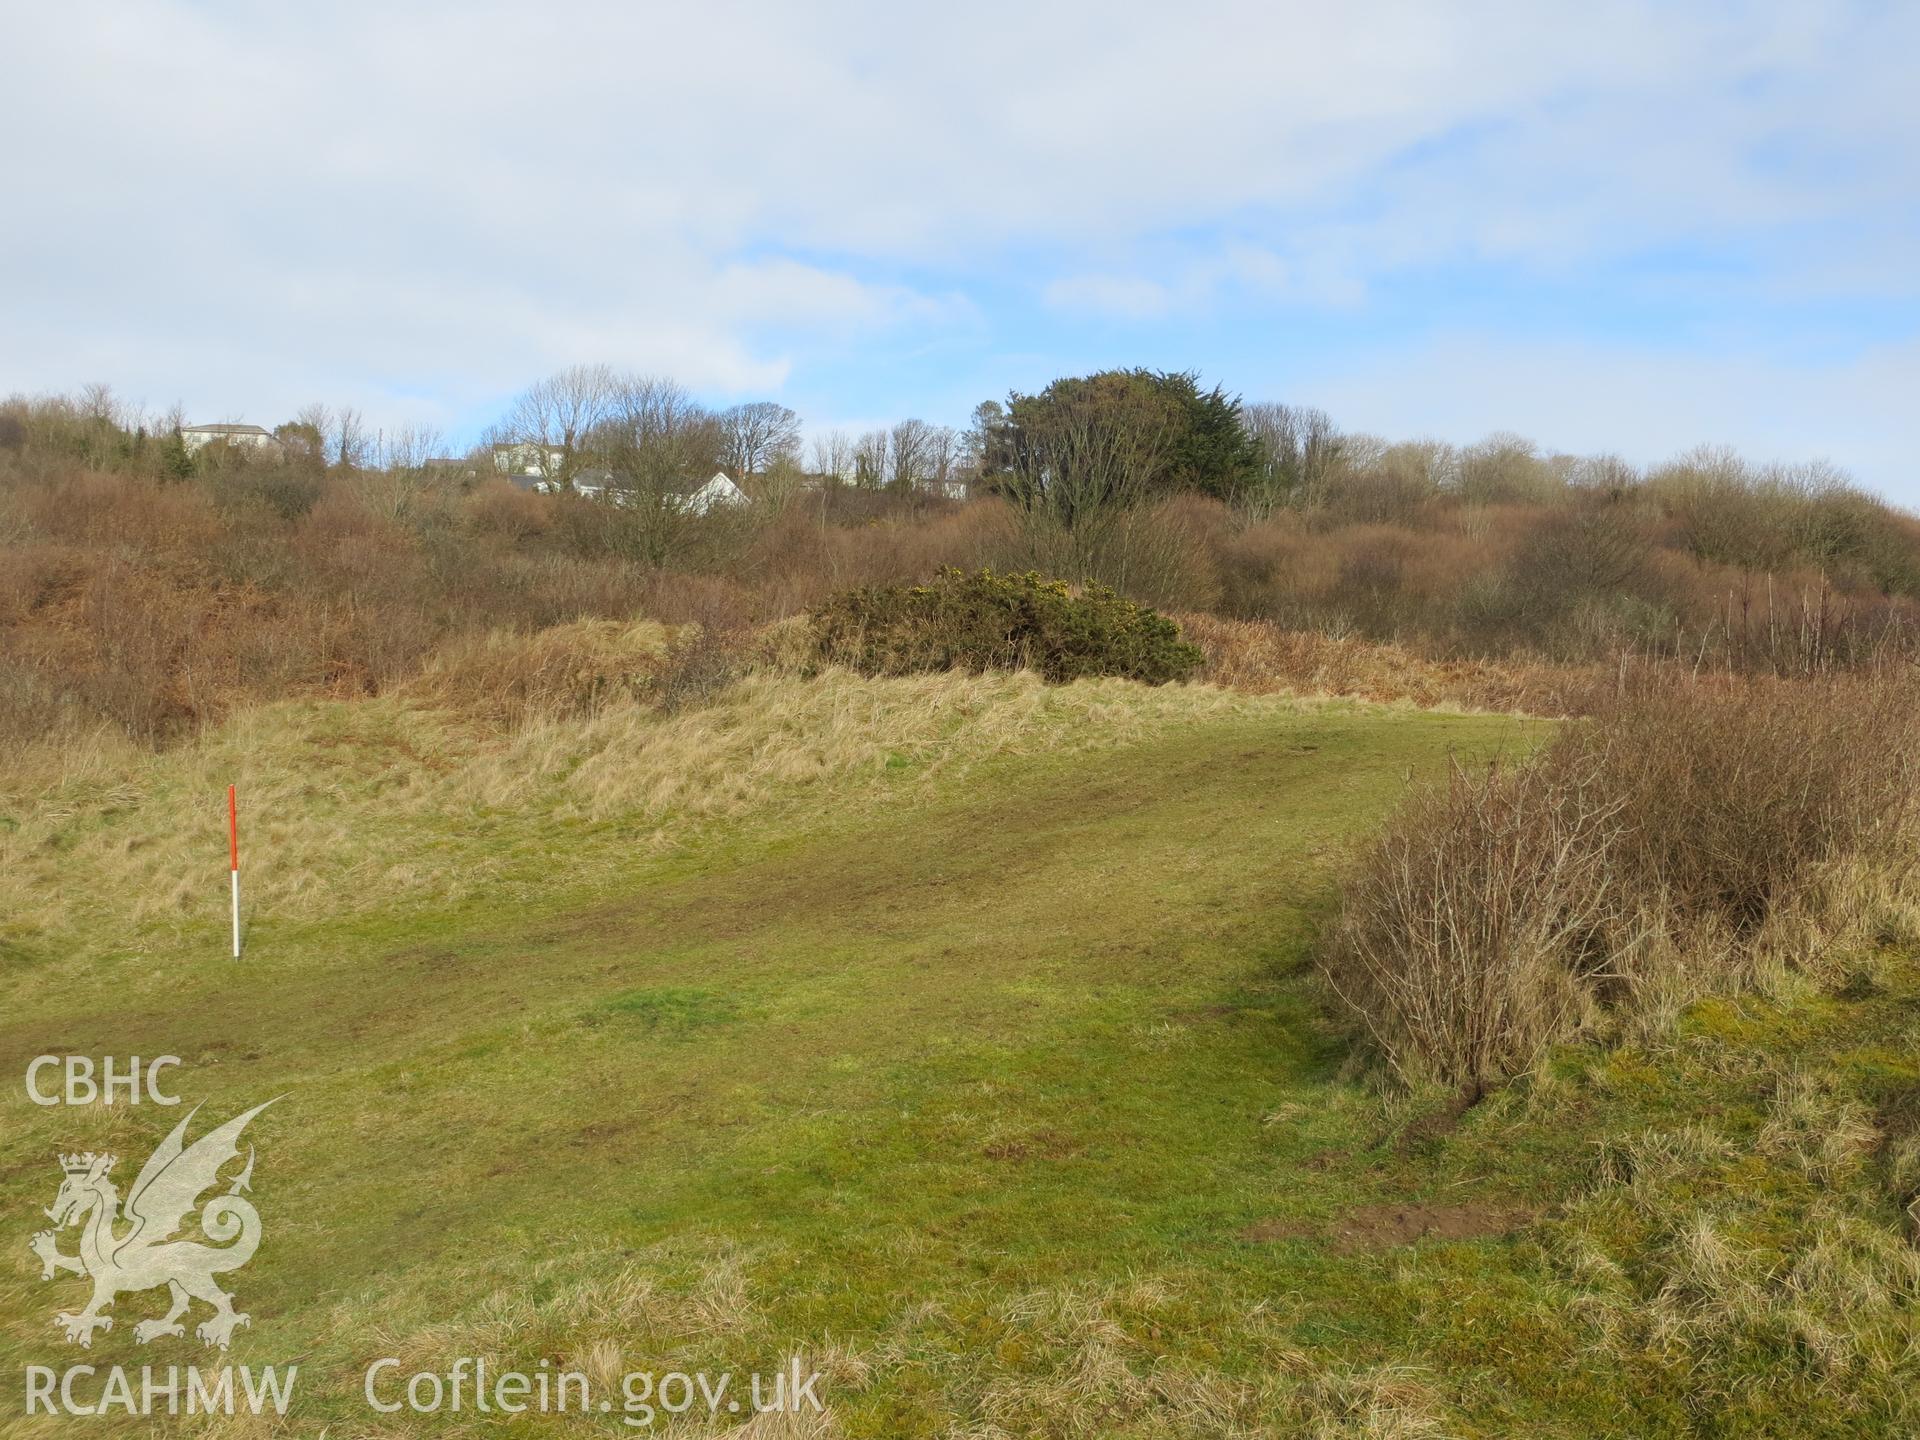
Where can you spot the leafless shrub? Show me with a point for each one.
(1470, 923)
(1738, 793)
(497, 508)
(1505, 468)
(1154, 555)
(700, 664)
(710, 648)
(1641, 858)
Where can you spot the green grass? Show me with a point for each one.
(1007, 1097)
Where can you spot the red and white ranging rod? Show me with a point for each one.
(233, 851)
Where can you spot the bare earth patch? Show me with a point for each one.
(1386, 1227)
(1040, 1145)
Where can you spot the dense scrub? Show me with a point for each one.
(1678, 844)
(152, 590)
(985, 621)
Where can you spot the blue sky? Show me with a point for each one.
(1608, 226)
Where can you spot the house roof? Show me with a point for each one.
(223, 430)
(684, 485)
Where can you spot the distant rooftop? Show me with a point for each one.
(593, 480)
(224, 430)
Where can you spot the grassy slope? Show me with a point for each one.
(976, 1083)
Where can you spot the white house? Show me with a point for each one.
(241, 437)
(695, 497)
(524, 457)
(719, 493)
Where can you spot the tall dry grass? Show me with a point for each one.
(563, 672)
(423, 797)
(1261, 657)
(1762, 1252)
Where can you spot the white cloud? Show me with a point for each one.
(1235, 271)
(789, 293)
(1131, 297)
(254, 205)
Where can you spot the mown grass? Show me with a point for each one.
(985, 1070)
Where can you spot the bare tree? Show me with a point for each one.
(653, 430)
(99, 416)
(408, 448)
(1505, 468)
(870, 453)
(757, 434)
(657, 443)
(779, 484)
(1604, 472)
(304, 438)
(319, 419)
(348, 442)
(1594, 546)
(1299, 448)
(398, 481)
(833, 457)
(558, 414)
(943, 452)
(1376, 483)
(96, 401)
(910, 454)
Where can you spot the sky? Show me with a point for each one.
(1611, 227)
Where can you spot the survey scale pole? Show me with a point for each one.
(233, 853)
